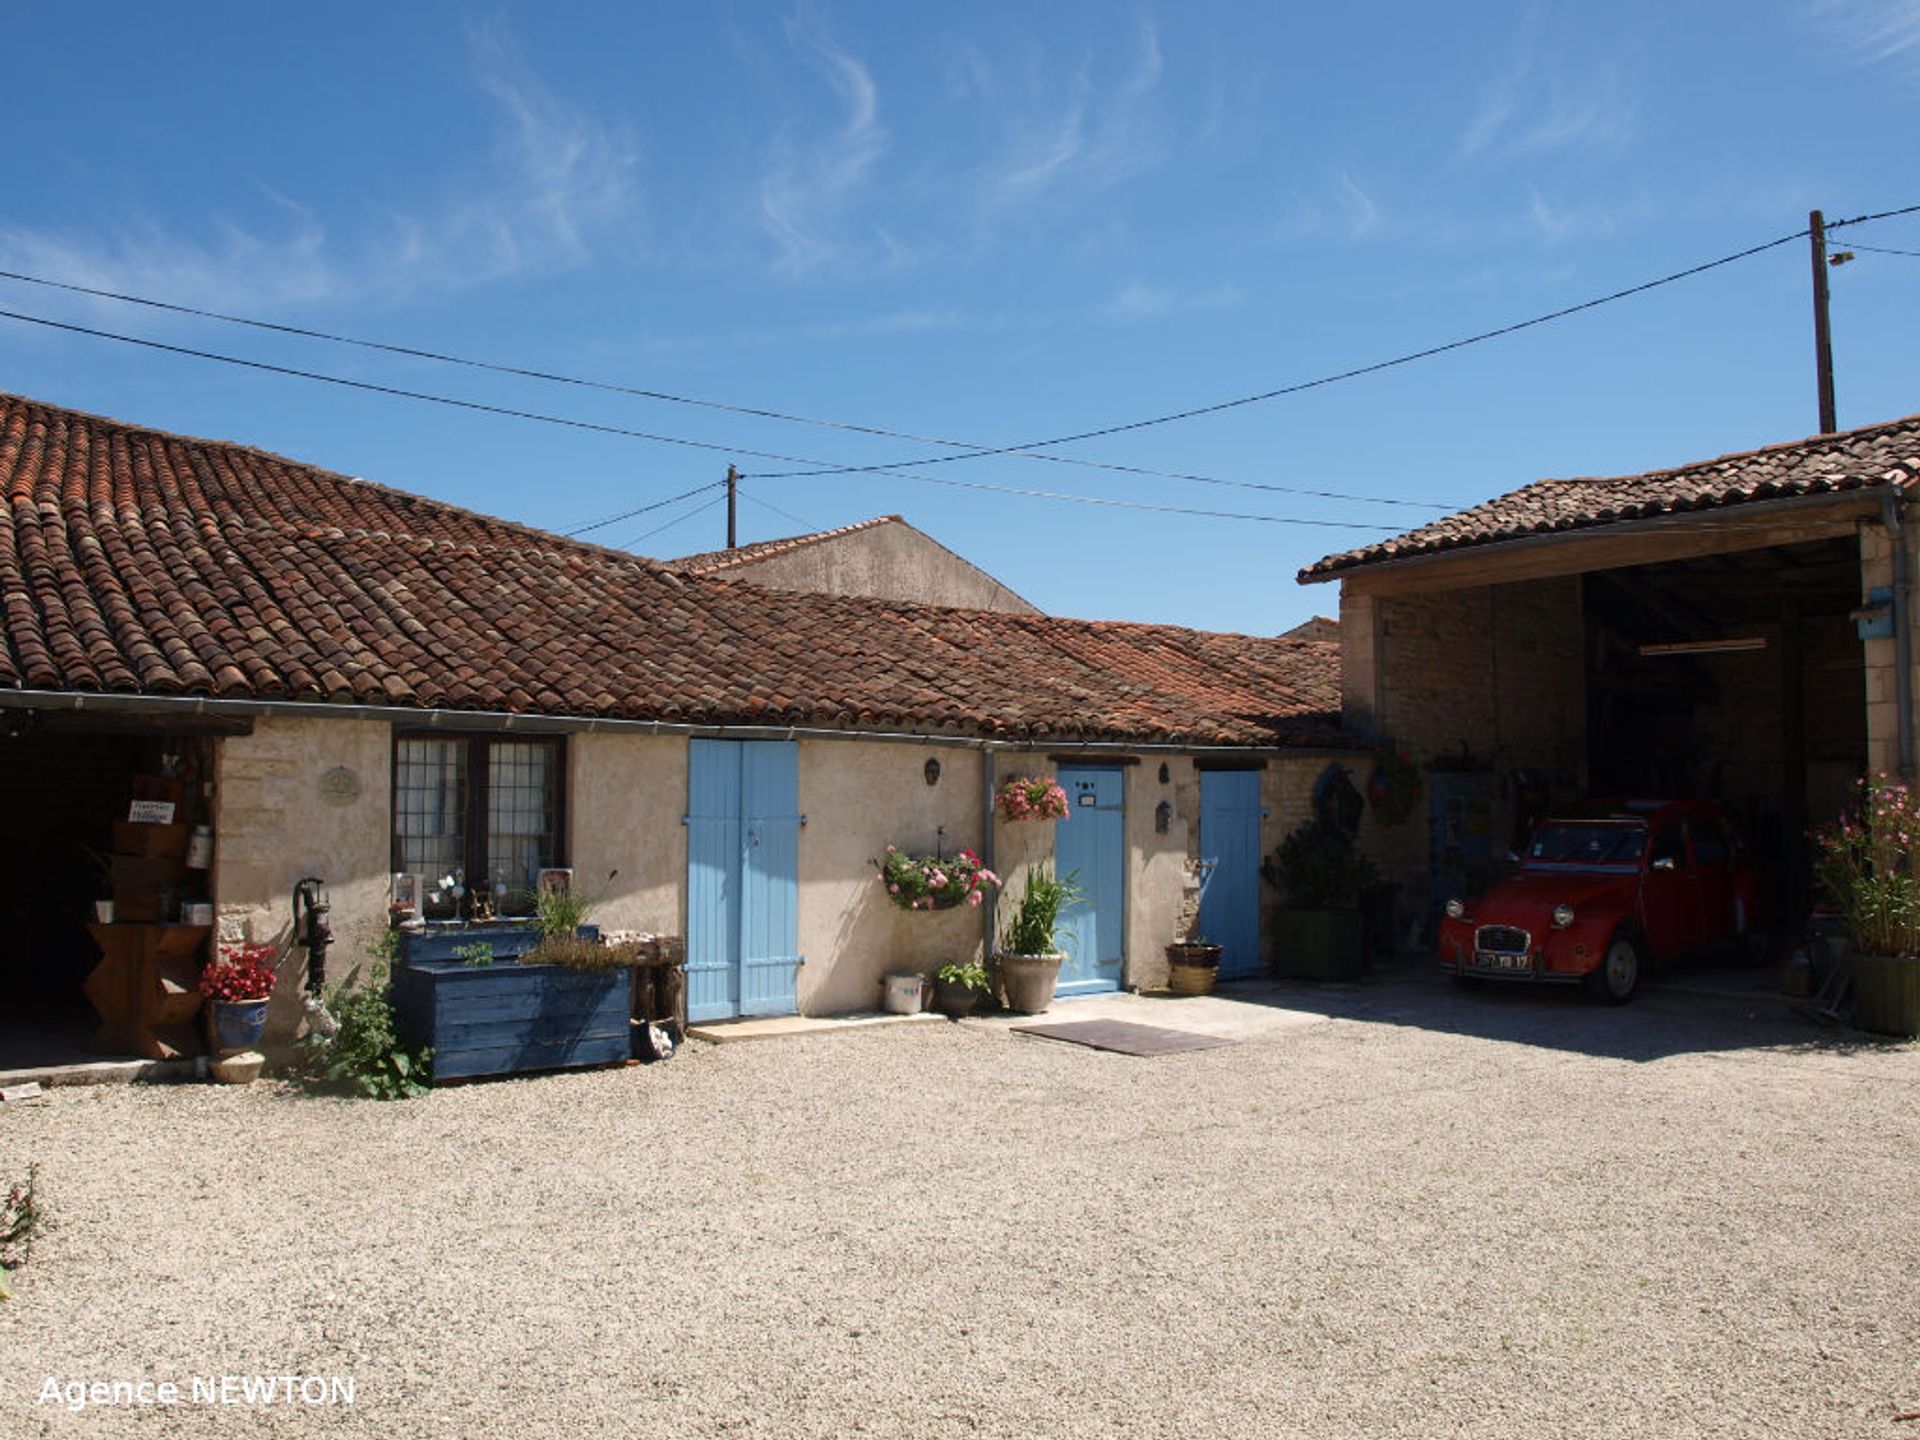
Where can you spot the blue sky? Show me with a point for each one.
(994, 223)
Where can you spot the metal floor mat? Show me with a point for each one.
(1123, 1037)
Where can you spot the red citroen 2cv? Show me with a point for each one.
(1600, 894)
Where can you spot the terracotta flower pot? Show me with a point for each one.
(1027, 981)
(1192, 968)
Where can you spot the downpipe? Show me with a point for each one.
(1902, 631)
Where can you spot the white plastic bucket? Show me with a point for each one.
(904, 994)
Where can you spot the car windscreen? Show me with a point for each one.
(1571, 842)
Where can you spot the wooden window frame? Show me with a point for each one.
(477, 854)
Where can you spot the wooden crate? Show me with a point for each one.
(131, 838)
(508, 1017)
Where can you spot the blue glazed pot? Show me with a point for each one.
(238, 1025)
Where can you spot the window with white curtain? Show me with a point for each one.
(478, 811)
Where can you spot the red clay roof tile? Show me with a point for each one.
(1882, 454)
(136, 561)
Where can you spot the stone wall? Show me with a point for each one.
(1497, 667)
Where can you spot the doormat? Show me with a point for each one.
(1123, 1037)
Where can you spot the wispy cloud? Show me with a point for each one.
(556, 184)
(1069, 135)
(567, 175)
(1873, 32)
(1537, 105)
(809, 184)
(1140, 301)
(1339, 205)
(909, 320)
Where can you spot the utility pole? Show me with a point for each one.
(733, 485)
(1822, 336)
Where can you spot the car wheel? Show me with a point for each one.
(1618, 975)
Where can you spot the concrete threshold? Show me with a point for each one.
(773, 1027)
(100, 1072)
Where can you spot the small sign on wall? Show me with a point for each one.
(150, 812)
(339, 786)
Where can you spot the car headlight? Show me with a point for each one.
(1562, 916)
(1456, 909)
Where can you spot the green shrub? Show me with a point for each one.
(1317, 868)
(970, 973)
(22, 1217)
(1030, 929)
(363, 1056)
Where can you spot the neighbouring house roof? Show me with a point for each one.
(1320, 627)
(884, 558)
(708, 562)
(133, 561)
(1885, 454)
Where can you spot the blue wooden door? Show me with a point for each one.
(1230, 851)
(743, 850)
(1091, 845)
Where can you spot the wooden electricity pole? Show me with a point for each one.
(1822, 336)
(733, 493)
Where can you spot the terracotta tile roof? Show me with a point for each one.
(138, 562)
(709, 561)
(1886, 454)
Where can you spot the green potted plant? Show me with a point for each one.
(958, 986)
(1869, 862)
(1320, 932)
(1029, 957)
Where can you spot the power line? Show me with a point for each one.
(1214, 409)
(1882, 249)
(396, 390)
(667, 397)
(1864, 219)
(658, 529)
(769, 505)
(629, 514)
(822, 467)
(1130, 504)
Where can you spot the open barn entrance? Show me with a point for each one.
(1736, 677)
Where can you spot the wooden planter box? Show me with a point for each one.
(507, 1017)
(1320, 944)
(1886, 994)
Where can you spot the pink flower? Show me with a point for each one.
(973, 898)
(893, 889)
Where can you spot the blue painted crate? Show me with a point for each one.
(507, 1017)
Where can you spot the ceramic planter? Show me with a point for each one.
(237, 1024)
(1886, 993)
(1027, 981)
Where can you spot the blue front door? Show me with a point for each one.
(1230, 849)
(743, 853)
(1090, 844)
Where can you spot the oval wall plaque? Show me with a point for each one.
(339, 786)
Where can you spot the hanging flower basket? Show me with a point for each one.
(1031, 797)
(1394, 787)
(933, 882)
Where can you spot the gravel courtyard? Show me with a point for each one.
(1519, 1216)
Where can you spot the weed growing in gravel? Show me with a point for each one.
(363, 1056)
(22, 1217)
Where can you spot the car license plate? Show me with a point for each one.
(1493, 960)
